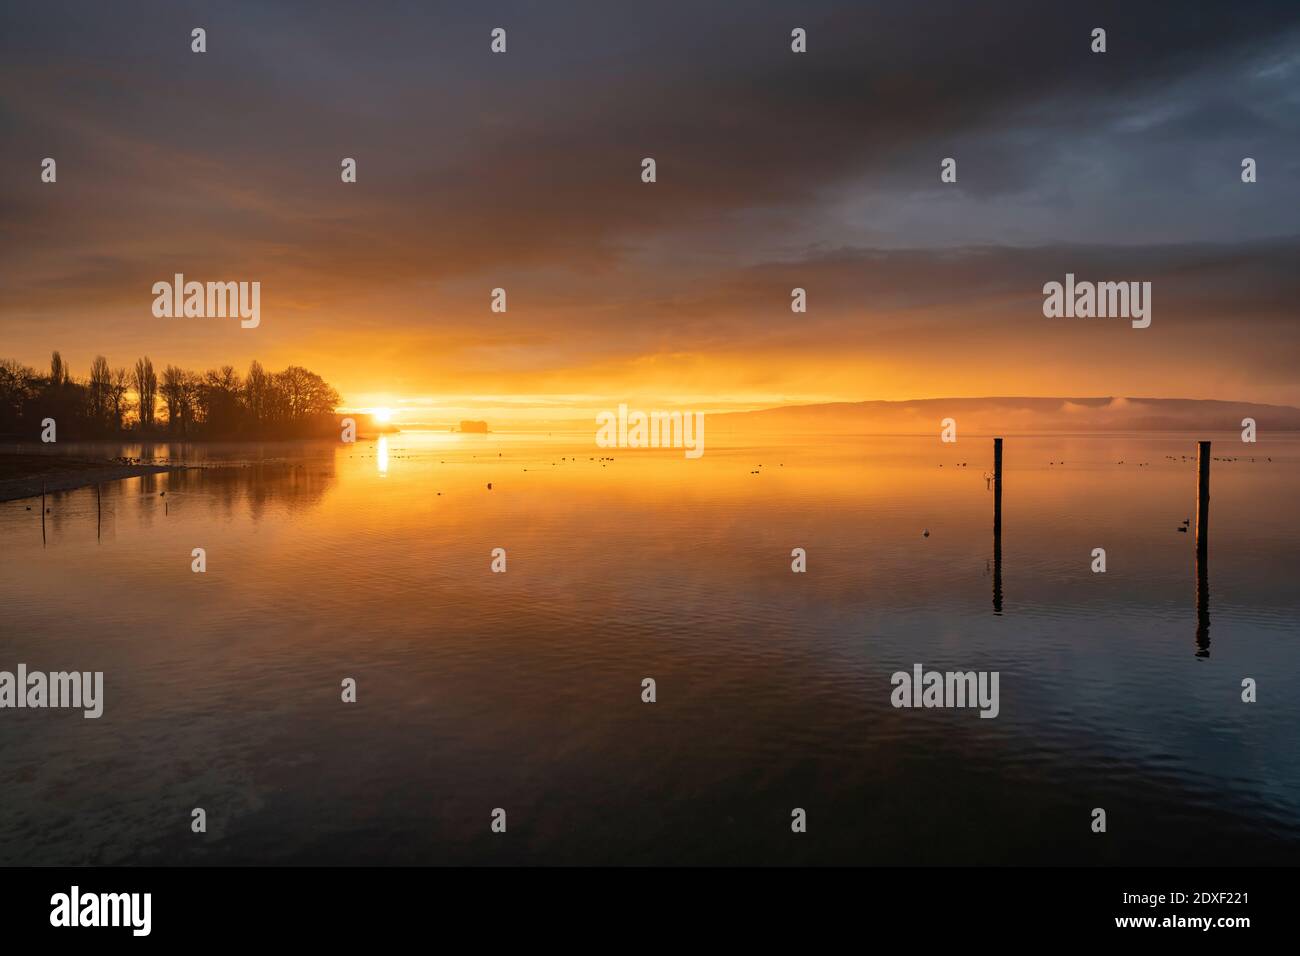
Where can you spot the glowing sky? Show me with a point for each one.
(775, 170)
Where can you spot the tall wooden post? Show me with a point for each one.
(1203, 499)
(997, 526)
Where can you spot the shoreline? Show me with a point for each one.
(24, 476)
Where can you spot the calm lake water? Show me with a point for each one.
(522, 690)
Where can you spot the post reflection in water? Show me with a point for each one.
(1202, 606)
(1203, 549)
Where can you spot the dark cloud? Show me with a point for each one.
(524, 168)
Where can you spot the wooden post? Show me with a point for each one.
(1203, 499)
(997, 481)
(997, 526)
(1203, 549)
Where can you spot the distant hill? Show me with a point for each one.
(1012, 415)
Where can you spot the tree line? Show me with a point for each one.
(141, 402)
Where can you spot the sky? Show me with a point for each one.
(775, 170)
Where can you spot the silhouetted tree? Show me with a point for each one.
(118, 386)
(60, 375)
(19, 387)
(146, 391)
(98, 392)
(257, 393)
(219, 401)
(217, 404)
(177, 389)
